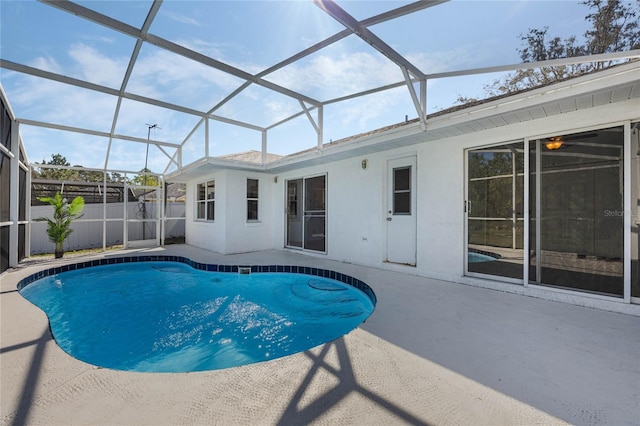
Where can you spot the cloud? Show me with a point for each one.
(47, 63)
(179, 80)
(49, 101)
(78, 149)
(97, 68)
(183, 19)
(227, 52)
(328, 77)
(277, 111)
(358, 114)
(442, 61)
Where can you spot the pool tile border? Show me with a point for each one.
(306, 270)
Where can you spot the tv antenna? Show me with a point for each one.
(149, 127)
(143, 208)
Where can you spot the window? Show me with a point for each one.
(205, 204)
(252, 200)
(402, 191)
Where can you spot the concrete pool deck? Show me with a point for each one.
(431, 353)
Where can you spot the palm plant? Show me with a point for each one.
(59, 228)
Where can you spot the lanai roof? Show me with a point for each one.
(298, 71)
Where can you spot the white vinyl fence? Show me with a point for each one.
(88, 230)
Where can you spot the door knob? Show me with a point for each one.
(388, 219)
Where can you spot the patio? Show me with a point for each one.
(431, 353)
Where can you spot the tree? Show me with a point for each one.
(56, 174)
(90, 175)
(614, 28)
(59, 228)
(74, 175)
(115, 177)
(145, 179)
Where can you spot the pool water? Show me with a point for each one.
(474, 257)
(170, 317)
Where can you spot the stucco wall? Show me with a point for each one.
(241, 235)
(208, 235)
(356, 198)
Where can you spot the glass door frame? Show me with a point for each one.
(632, 136)
(627, 195)
(626, 155)
(301, 200)
(525, 217)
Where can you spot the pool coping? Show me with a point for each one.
(209, 267)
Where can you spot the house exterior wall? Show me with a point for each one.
(207, 235)
(356, 198)
(242, 235)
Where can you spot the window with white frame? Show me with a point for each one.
(252, 200)
(206, 201)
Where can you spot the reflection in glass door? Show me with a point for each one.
(306, 213)
(580, 232)
(294, 213)
(494, 209)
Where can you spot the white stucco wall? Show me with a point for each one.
(208, 235)
(230, 232)
(242, 235)
(356, 198)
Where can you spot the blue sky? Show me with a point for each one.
(252, 36)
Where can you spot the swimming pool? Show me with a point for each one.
(175, 316)
(474, 257)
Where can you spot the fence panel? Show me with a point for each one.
(87, 231)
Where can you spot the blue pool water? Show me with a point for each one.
(170, 317)
(479, 257)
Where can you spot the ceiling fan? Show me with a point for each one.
(557, 142)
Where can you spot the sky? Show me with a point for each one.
(252, 36)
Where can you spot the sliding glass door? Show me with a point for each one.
(575, 212)
(579, 237)
(306, 213)
(494, 209)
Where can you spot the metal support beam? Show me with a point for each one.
(92, 132)
(602, 57)
(132, 61)
(95, 87)
(14, 191)
(170, 157)
(264, 147)
(340, 15)
(414, 97)
(104, 210)
(206, 138)
(423, 98)
(320, 126)
(306, 111)
(108, 154)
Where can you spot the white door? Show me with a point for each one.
(401, 211)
